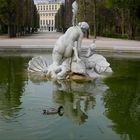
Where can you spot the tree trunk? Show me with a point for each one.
(11, 30)
(84, 5)
(94, 17)
(129, 26)
(122, 22)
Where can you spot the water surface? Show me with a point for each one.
(101, 109)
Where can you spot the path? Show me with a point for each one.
(46, 41)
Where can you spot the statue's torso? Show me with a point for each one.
(65, 43)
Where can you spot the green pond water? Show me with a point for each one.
(106, 109)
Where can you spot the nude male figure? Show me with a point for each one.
(69, 44)
(66, 47)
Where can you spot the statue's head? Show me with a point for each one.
(83, 25)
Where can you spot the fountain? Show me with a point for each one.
(68, 61)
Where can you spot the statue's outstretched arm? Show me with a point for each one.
(76, 54)
(79, 41)
(77, 47)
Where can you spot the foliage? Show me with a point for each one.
(59, 19)
(111, 18)
(19, 16)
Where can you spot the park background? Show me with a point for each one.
(108, 18)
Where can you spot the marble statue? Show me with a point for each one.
(65, 55)
(67, 58)
(74, 11)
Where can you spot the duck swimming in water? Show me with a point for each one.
(52, 111)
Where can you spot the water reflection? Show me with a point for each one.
(11, 85)
(114, 103)
(122, 99)
(77, 98)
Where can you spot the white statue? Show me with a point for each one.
(66, 57)
(74, 11)
(66, 51)
(65, 45)
(91, 49)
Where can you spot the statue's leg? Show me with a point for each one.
(62, 73)
(63, 69)
(57, 58)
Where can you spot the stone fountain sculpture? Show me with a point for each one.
(74, 11)
(67, 58)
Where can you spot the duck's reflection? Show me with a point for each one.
(76, 99)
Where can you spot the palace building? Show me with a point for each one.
(47, 11)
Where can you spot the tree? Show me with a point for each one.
(8, 15)
(110, 18)
(68, 13)
(59, 19)
(94, 17)
(18, 15)
(126, 12)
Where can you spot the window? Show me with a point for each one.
(46, 22)
(43, 22)
(55, 7)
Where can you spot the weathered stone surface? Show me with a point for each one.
(79, 78)
(78, 67)
(66, 58)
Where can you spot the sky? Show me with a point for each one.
(37, 1)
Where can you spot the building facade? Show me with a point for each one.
(47, 11)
